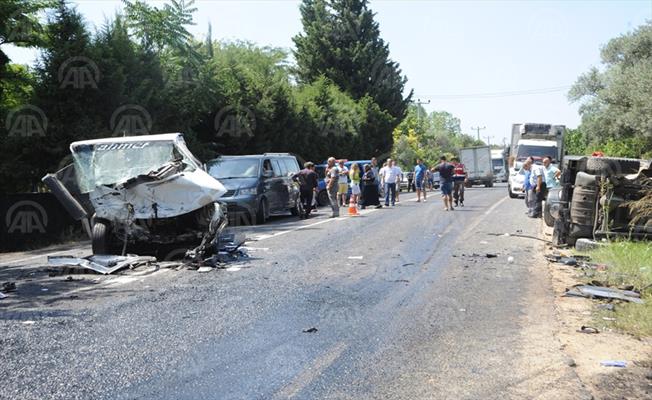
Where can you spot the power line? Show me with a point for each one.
(490, 95)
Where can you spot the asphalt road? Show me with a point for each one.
(404, 302)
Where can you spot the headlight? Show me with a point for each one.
(246, 191)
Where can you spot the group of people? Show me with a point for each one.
(538, 179)
(367, 185)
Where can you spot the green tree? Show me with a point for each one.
(616, 100)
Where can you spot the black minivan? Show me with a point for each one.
(258, 185)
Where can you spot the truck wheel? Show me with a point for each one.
(322, 198)
(609, 166)
(547, 217)
(101, 238)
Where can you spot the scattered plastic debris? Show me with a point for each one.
(205, 269)
(233, 269)
(3, 296)
(614, 363)
(310, 330)
(510, 259)
(104, 264)
(355, 257)
(604, 293)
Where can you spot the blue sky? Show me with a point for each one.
(453, 52)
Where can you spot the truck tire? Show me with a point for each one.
(608, 166)
(547, 217)
(101, 238)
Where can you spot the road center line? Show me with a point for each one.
(309, 374)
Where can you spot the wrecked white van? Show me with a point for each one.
(142, 190)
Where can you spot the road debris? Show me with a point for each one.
(491, 255)
(355, 257)
(510, 259)
(614, 363)
(104, 264)
(603, 293)
(204, 269)
(9, 287)
(3, 296)
(588, 329)
(310, 330)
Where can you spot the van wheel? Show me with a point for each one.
(261, 213)
(100, 239)
(322, 198)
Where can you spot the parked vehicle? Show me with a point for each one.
(499, 165)
(596, 197)
(142, 191)
(258, 186)
(537, 141)
(516, 181)
(477, 161)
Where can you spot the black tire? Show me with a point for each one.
(100, 241)
(322, 198)
(609, 166)
(547, 217)
(261, 213)
(511, 194)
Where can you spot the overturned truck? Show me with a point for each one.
(601, 197)
(141, 193)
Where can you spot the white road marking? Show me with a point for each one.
(311, 372)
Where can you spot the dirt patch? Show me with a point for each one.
(588, 350)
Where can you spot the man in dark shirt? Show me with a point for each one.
(308, 182)
(446, 171)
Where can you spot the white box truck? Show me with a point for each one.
(477, 161)
(537, 141)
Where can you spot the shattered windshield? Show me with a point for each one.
(110, 163)
(234, 168)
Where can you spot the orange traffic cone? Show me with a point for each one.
(353, 209)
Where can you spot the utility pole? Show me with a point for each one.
(488, 140)
(418, 104)
(477, 129)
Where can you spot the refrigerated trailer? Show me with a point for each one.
(477, 161)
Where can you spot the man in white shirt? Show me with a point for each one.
(389, 175)
(537, 189)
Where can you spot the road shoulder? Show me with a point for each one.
(586, 351)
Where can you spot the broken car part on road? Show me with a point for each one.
(604, 293)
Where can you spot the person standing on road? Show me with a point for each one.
(308, 182)
(527, 167)
(370, 195)
(374, 170)
(399, 179)
(343, 188)
(537, 190)
(552, 174)
(332, 183)
(389, 175)
(354, 176)
(459, 180)
(420, 177)
(446, 171)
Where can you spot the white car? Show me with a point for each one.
(516, 181)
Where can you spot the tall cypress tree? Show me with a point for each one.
(341, 41)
